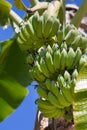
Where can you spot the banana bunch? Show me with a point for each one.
(37, 30)
(72, 37)
(48, 109)
(57, 95)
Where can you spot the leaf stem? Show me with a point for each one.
(80, 14)
(34, 2)
(16, 18)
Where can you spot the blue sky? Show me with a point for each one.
(24, 117)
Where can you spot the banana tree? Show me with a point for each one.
(47, 49)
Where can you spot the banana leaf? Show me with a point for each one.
(14, 78)
(80, 100)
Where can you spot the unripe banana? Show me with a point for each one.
(67, 76)
(24, 46)
(75, 74)
(66, 90)
(59, 113)
(70, 58)
(45, 16)
(78, 54)
(56, 59)
(30, 30)
(44, 68)
(48, 84)
(55, 113)
(55, 28)
(55, 47)
(49, 62)
(40, 28)
(35, 21)
(72, 86)
(38, 71)
(30, 59)
(45, 104)
(61, 81)
(63, 45)
(83, 44)
(54, 88)
(72, 34)
(48, 27)
(76, 42)
(82, 61)
(62, 100)
(42, 92)
(54, 101)
(63, 59)
(67, 28)
(41, 52)
(49, 49)
(60, 36)
(24, 33)
(22, 37)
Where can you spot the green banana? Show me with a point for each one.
(72, 86)
(67, 76)
(60, 36)
(66, 90)
(63, 59)
(30, 30)
(45, 17)
(44, 68)
(54, 88)
(76, 42)
(42, 92)
(48, 27)
(45, 104)
(68, 28)
(38, 72)
(49, 62)
(53, 100)
(48, 84)
(55, 47)
(39, 31)
(70, 58)
(82, 61)
(63, 45)
(62, 100)
(72, 34)
(75, 74)
(61, 81)
(78, 54)
(55, 113)
(35, 21)
(22, 37)
(83, 44)
(49, 49)
(55, 28)
(24, 45)
(25, 33)
(56, 59)
(41, 53)
(59, 113)
(30, 59)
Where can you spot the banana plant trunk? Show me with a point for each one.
(42, 123)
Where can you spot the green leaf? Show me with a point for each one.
(4, 48)
(14, 77)
(20, 5)
(5, 7)
(80, 100)
(11, 95)
(14, 65)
